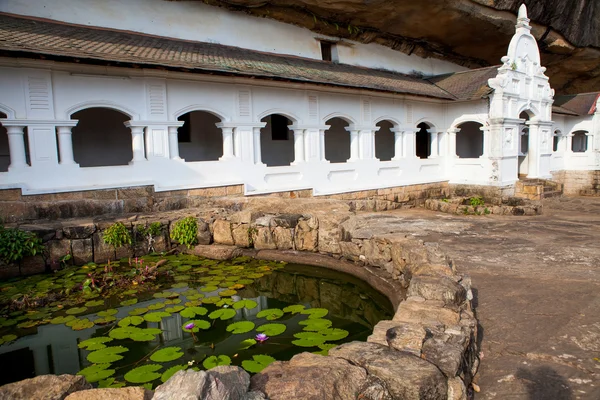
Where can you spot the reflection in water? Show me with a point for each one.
(352, 305)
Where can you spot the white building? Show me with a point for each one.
(182, 95)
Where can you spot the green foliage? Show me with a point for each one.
(16, 244)
(96, 372)
(445, 200)
(308, 339)
(294, 309)
(222, 313)
(247, 303)
(314, 313)
(258, 363)
(272, 329)
(240, 327)
(143, 374)
(107, 355)
(149, 232)
(198, 324)
(214, 361)
(96, 343)
(167, 354)
(185, 231)
(486, 211)
(476, 201)
(270, 314)
(315, 324)
(117, 235)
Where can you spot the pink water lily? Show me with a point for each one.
(191, 325)
(261, 337)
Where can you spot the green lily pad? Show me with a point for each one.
(208, 288)
(110, 383)
(94, 303)
(180, 278)
(167, 354)
(257, 364)
(191, 312)
(107, 355)
(174, 309)
(248, 304)
(271, 329)
(222, 313)
(156, 316)
(333, 334)
(294, 309)
(184, 268)
(107, 313)
(105, 320)
(7, 338)
(214, 361)
(129, 292)
(246, 344)
(143, 374)
(308, 339)
(315, 324)
(156, 306)
(227, 293)
(123, 332)
(96, 372)
(76, 310)
(145, 335)
(171, 371)
(165, 295)
(270, 314)
(245, 281)
(96, 343)
(240, 327)
(198, 324)
(179, 285)
(80, 324)
(62, 320)
(314, 313)
(138, 311)
(211, 300)
(132, 320)
(129, 302)
(195, 296)
(172, 301)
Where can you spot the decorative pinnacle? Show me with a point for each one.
(522, 20)
(522, 12)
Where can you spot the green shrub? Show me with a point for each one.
(16, 244)
(476, 201)
(185, 231)
(117, 235)
(149, 232)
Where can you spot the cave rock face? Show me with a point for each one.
(472, 33)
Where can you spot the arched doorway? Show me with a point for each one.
(579, 142)
(384, 141)
(423, 140)
(524, 145)
(277, 141)
(4, 153)
(469, 140)
(337, 141)
(199, 139)
(100, 138)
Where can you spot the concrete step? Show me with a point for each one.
(555, 193)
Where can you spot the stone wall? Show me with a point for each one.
(579, 183)
(491, 194)
(460, 205)
(16, 207)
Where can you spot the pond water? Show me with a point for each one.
(136, 322)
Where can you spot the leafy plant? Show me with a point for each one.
(117, 235)
(476, 201)
(214, 361)
(486, 211)
(143, 374)
(149, 232)
(167, 354)
(258, 363)
(240, 327)
(185, 232)
(16, 244)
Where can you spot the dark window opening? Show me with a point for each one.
(326, 53)
(279, 127)
(423, 144)
(184, 134)
(555, 140)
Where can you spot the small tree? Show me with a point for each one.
(117, 235)
(185, 231)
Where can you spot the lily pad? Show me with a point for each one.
(110, 383)
(167, 354)
(211, 300)
(271, 329)
(315, 324)
(156, 316)
(80, 324)
(214, 361)
(333, 334)
(132, 320)
(240, 327)
(129, 302)
(123, 332)
(191, 312)
(314, 313)
(270, 314)
(248, 304)
(105, 320)
(227, 301)
(96, 343)
(76, 310)
(94, 303)
(143, 374)
(308, 339)
(246, 344)
(198, 324)
(294, 309)
(107, 355)
(145, 335)
(96, 372)
(156, 306)
(172, 301)
(138, 311)
(179, 285)
(7, 338)
(107, 313)
(171, 371)
(223, 314)
(258, 363)
(174, 309)
(62, 320)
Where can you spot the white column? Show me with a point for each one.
(299, 146)
(237, 143)
(354, 145)
(65, 145)
(16, 145)
(589, 142)
(410, 145)
(227, 143)
(256, 143)
(398, 145)
(533, 151)
(173, 143)
(434, 144)
(137, 144)
(486, 141)
(322, 144)
(452, 142)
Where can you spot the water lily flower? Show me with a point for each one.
(261, 337)
(191, 325)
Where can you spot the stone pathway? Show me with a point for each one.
(537, 282)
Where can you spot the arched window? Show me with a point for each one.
(337, 141)
(276, 141)
(469, 140)
(4, 154)
(100, 138)
(199, 138)
(555, 140)
(384, 141)
(580, 142)
(423, 141)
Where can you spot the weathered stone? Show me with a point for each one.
(216, 251)
(204, 236)
(222, 232)
(254, 395)
(306, 235)
(262, 238)
(80, 231)
(377, 252)
(32, 265)
(44, 232)
(126, 393)
(241, 235)
(406, 337)
(329, 232)
(235, 380)
(286, 220)
(424, 313)
(191, 385)
(245, 216)
(437, 288)
(44, 387)
(432, 270)
(309, 376)
(445, 354)
(102, 251)
(57, 249)
(283, 238)
(456, 389)
(406, 376)
(330, 295)
(380, 331)
(307, 289)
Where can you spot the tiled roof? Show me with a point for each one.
(580, 104)
(560, 110)
(467, 85)
(25, 36)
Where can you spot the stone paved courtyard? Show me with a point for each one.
(537, 282)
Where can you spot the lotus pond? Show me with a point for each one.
(137, 322)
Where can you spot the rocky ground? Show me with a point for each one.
(537, 282)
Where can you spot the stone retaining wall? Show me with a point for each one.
(459, 205)
(576, 183)
(16, 207)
